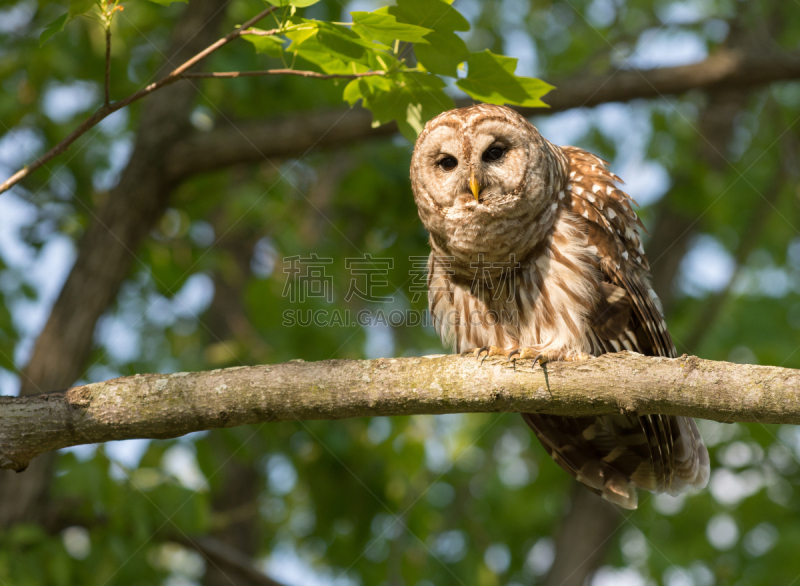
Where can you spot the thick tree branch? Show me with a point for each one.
(164, 406)
(219, 552)
(252, 140)
(725, 69)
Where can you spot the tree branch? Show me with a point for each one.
(727, 68)
(583, 538)
(250, 141)
(260, 33)
(107, 109)
(299, 72)
(229, 557)
(165, 406)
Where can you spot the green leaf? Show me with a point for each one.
(300, 36)
(341, 41)
(335, 48)
(434, 14)
(168, 2)
(328, 61)
(382, 61)
(272, 45)
(53, 28)
(386, 29)
(353, 92)
(490, 78)
(78, 7)
(366, 88)
(414, 99)
(445, 50)
(444, 53)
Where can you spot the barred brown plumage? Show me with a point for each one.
(537, 252)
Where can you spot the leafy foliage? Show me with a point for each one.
(491, 79)
(382, 41)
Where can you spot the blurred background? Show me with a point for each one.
(156, 243)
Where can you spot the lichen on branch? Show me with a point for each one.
(165, 406)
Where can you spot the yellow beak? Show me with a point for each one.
(474, 186)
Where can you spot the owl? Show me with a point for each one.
(536, 253)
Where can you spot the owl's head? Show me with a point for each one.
(485, 183)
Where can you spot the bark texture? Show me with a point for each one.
(165, 406)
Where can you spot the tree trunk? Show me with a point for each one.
(107, 250)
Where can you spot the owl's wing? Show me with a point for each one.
(628, 314)
(612, 454)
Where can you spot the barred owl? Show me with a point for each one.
(535, 252)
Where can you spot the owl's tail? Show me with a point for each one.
(615, 454)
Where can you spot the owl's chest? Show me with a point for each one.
(543, 303)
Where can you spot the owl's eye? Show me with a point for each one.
(447, 163)
(493, 153)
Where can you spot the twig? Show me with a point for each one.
(107, 103)
(108, 109)
(301, 73)
(259, 33)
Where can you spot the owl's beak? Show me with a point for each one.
(474, 186)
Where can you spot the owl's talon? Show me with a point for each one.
(513, 354)
(478, 351)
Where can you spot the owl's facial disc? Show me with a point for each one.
(482, 184)
(466, 169)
